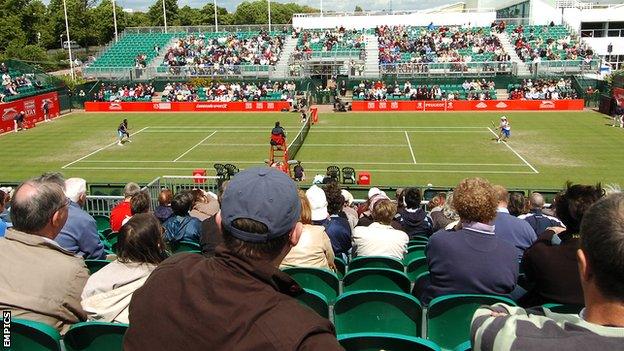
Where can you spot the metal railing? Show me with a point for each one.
(179, 183)
(447, 68)
(101, 205)
(601, 33)
(126, 73)
(210, 29)
(563, 67)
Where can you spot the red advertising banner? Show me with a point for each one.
(465, 105)
(207, 106)
(32, 107)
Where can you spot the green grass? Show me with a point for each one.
(447, 147)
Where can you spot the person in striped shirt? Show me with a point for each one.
(599, 326)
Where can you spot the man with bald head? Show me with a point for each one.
(536, 218)
(80, 235)
(39, 280)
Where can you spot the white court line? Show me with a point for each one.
(196, 130)
(409, 144)
(315, 127)
(194, 146)
(320, 163)
(100, 149)
(515, 152)
(315, 145)
(370, 170)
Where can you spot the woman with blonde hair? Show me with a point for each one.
(314, 248)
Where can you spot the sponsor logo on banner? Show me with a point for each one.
(435, 104)
(449, 105)
(481, 105)
(162, 106)
(371, 106)
(545, 104)
(248, 106)
(114, 106)
(211, 106)
(383, 105)
(259, 105)
(501, 105)
(270, 105)
(30, 108)
(394, 105)
(9, 113)
(419, 105)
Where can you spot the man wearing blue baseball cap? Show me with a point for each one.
(238, 299)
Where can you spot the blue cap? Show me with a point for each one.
(265, 195)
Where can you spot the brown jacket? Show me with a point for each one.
(223, 303)
(40, 281)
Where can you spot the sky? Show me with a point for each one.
(329, 5)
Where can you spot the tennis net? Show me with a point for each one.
(298, 140)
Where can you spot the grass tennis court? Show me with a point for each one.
(546, 148)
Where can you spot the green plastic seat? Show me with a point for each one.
(376, 262)
(375, 279)
(33, 336)
(95, 336)
(316, 301)
(413, 252)
(385, 341)
(341, 267)
(319, 280)
(565, 309)
(377, 312)
(416, 266)
(465, 346)
(185, 246)
(449, 317)
(96, 265)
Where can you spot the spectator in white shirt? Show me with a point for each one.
(379, 238)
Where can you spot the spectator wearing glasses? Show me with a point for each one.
(42, 281)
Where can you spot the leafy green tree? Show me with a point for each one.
(155, 12)
(188, 16)
(358, 9)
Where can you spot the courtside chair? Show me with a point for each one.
(449, 317)
(377, 312)
(415, 267)
(95, 336)
(414, 251)
(375, 279)
(376, 262)
(341, 267)
(316, 301)
(334, 173)
(418, 238)
(320, 280)
(33, 336)
(348, 175)
(96, 265)
(565, 309)
(185, 246)
(385, 341)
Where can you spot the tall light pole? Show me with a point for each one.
(165, 15)
(269, 15)
(215, 14)
(115, 19)
(321, 8)
(69, 43)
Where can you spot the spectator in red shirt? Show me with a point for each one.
(123, 209)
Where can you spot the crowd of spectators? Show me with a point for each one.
(544, 89)
(230, 92)
(380, 91)
(114, 93)
(478, 238)
(441, 44)
(224, 53)
(11, 84)
(539, 44)
(140, 61)
(327, 40)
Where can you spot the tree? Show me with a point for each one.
(188, 16)
(155, 12)
(103, 24)
(137, 19)
(358, 9)
(80, 22)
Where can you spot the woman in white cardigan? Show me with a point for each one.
(107, 294)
